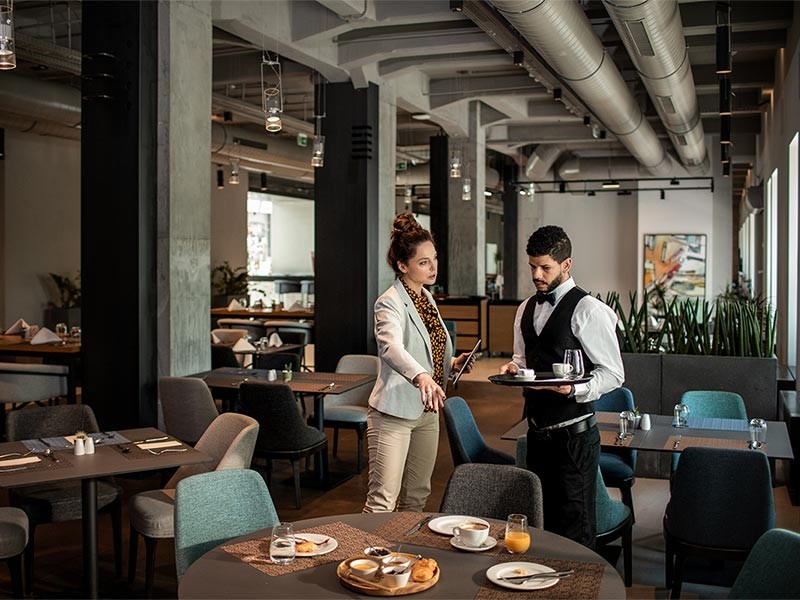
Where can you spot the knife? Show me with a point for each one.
(158, 439)
(417, 527)
(554, 575)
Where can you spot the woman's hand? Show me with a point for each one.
(459, 361)
(430, 393)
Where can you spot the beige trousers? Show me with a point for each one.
(402, 453)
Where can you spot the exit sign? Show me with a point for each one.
(302, 140)
(401, 166)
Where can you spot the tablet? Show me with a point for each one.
(466, 362)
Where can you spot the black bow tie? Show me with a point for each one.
(542, 297)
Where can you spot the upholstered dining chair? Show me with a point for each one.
(283, 434)
(22, 383)
(61, 501)
(226, 335)
(770, 571)
(711, 403)
(349, 410)
(614, 520)
(200, 525)
(494, 492)
(276, 360)
(188, 407)
(229, 440)
(254, 327)
(721, 504)
(223, 356)
(466, 442)
(618, 465)
(13, 539)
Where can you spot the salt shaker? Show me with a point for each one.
(644, 424)
(89, 445)
(79, 448)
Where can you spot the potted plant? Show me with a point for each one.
(67, 308)
(228, 283)
(287, 372)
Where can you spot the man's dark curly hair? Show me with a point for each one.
(550, 240)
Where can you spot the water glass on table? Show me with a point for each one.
(626, 421)
(518, 538)
(680, 414)
(758, 433)
(61, 331)
(282, 545)
(574, 358)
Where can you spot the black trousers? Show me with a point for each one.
(566, 464)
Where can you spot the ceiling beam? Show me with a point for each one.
(745, 75)
(457, 60)
(746, 15)
(542, 134)
(445, 91)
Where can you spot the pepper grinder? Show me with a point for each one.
(89, 445)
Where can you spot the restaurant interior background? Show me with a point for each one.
(440, 72)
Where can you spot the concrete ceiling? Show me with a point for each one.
(436, 60)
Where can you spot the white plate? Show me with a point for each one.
(318, 538)
(495, 574)
(445, 524)
(487, 545)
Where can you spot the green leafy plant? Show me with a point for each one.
(69, 290)
(229, 281)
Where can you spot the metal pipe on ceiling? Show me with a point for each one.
(542, 160)
(653, 36)
(561, 33)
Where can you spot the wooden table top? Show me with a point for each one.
(302, 382)
(15, 344)
(262, 313)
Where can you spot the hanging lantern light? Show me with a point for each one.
(234, 178)
(318, 157)
(8, 56)
(455, 164)
(271, 93)
(466, 189)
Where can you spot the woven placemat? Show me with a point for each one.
(707, 442)
(584, 584)
(609, 438)
(44, 464)
(134, 452)
(352, 542)
(394, 529)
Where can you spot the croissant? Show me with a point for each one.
(422, 574)
(305, 547)
(426, 563)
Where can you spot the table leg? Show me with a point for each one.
(72, 394)
(89, 507)
(319, 423)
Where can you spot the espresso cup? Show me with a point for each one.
(561, 369)
(526, 373)
(471, 533)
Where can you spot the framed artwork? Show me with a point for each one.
(676, 262)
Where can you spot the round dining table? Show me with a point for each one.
(220, 574)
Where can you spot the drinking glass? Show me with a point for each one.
(575, 359)
(75, 334)
(626, 420)
(61, 331)
(518, 539)
(281, 546)
(680, 412)
(758, 433)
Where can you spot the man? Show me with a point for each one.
(563, 440)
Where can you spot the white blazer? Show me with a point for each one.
(404, 348)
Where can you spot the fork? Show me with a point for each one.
(322, 543)
(676, 443)
(556, 575)
(159, 452)
(19, 454)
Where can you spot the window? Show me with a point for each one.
(791, 321)
(259, 223)
(771, 245)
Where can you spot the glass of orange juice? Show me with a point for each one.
(518, 540)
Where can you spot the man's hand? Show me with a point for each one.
(559, 389)
(510, 368)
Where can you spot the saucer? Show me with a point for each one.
(487, 545)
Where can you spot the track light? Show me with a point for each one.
(724, 95)
(562, 187)
(663, 195)
(263, 182)
(674, 181)
(725, 129)
(519, 58)
(556, 93)
(610, 185)
(591, 193)
(726, 169)
(8, 56)
(724, 63)
(220, 179)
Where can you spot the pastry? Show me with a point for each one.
(427, 563)
(421, 574)
(305, 547)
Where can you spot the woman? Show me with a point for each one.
(416, 360)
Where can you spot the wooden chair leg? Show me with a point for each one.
(677, 578)
(296, 473)
(359, 458)
(17, 578)
(669, 563)
(335, 441)
(133, 551)
(150, 564)
(30, 551)
(627, 554)
(116, 532)
(627, 499)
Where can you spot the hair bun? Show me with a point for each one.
(405, 223)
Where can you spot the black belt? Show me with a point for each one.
(568, 430)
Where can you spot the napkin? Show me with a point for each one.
(15, 462)
(235, 305)
(242, 345)
(215, 339)
(296, 307)
(155, 445)
(275, 341)
(44, 336)
(17, 327)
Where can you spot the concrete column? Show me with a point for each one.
(387, 159)
(466, 247)
(184, 230)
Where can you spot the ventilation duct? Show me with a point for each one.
(615, 168)
(542, 160)
(754, 199)
(48, 128)
(40, 100)
(653, 35)
(561, 33)
(274, 151)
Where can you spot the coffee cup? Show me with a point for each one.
(526, 373)
(561, 369)
(471, 533)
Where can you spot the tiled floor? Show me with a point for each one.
(58, 566)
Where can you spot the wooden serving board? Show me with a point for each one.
(375, 588)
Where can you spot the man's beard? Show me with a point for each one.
(556, 282)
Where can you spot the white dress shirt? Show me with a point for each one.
(595, 325)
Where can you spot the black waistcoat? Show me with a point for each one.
(545, 408)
